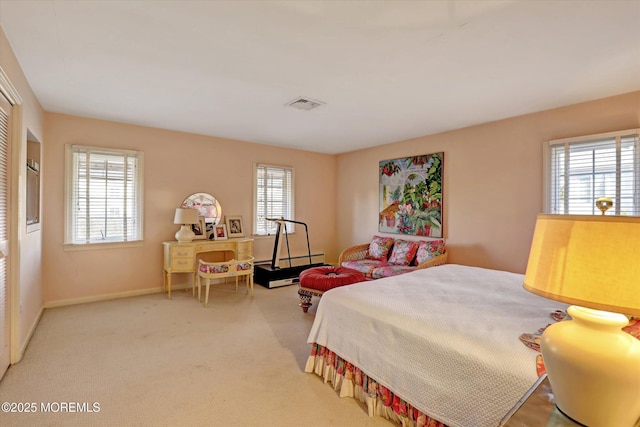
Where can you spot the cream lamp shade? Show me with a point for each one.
(185, 217)
(594, 263)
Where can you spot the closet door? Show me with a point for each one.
(5, 127)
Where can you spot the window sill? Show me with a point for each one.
(106, 245)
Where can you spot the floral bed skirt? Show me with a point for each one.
(350, 381)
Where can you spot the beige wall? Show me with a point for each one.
(175, 166)
(26, 248)
(492, 179)
(492, 191)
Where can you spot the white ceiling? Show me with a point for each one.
(387, 70)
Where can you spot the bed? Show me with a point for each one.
(438, 346)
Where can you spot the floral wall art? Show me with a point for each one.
(411, 195)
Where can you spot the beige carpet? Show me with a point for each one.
(148, 361)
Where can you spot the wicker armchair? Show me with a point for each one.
(353, 253)
(436, 260)
(360, 251)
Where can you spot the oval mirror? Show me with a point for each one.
(207, 206)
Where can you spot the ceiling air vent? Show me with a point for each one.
(305, 103)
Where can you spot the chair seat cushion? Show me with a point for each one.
(364, 266)
(391, 270)
(215, 268)
(242, 266)
(329, 277)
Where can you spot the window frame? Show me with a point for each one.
(548, 179)
(70, 241)
(289, 227)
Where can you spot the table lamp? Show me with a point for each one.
(592, 262)
(185, 217)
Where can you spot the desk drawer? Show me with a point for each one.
(216, 246)
(182, 264)
(182, 252)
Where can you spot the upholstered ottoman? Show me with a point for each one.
(317, 280)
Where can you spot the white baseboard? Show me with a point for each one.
(72, 301)
(32, 329)
(105, 297)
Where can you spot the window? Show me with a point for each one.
(273, 198)
(581, 170)
(103, 195)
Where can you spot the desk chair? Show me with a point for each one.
(222, 270)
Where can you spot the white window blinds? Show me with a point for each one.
(273, 198)
(104, 195)
(584, 169)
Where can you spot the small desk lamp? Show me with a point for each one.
(185, 217)
(594, 263)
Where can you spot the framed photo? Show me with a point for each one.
(220, 232)
(411, 195)
(235, 226)
(199, 229)
(210, 226)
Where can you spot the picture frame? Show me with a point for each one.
(411, 195)
(199, 229)
(220, 232)
(210, 226)
(235, 227)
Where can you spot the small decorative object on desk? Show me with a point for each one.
(220, 232)
(235, 227)
(199, 229)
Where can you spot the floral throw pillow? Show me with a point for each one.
(379, 248)
(429, 249)
(403, 252)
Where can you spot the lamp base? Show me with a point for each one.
(185, 234)
(594, 368)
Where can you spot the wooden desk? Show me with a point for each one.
(182, 257)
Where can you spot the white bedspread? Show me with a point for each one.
(445, 339)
